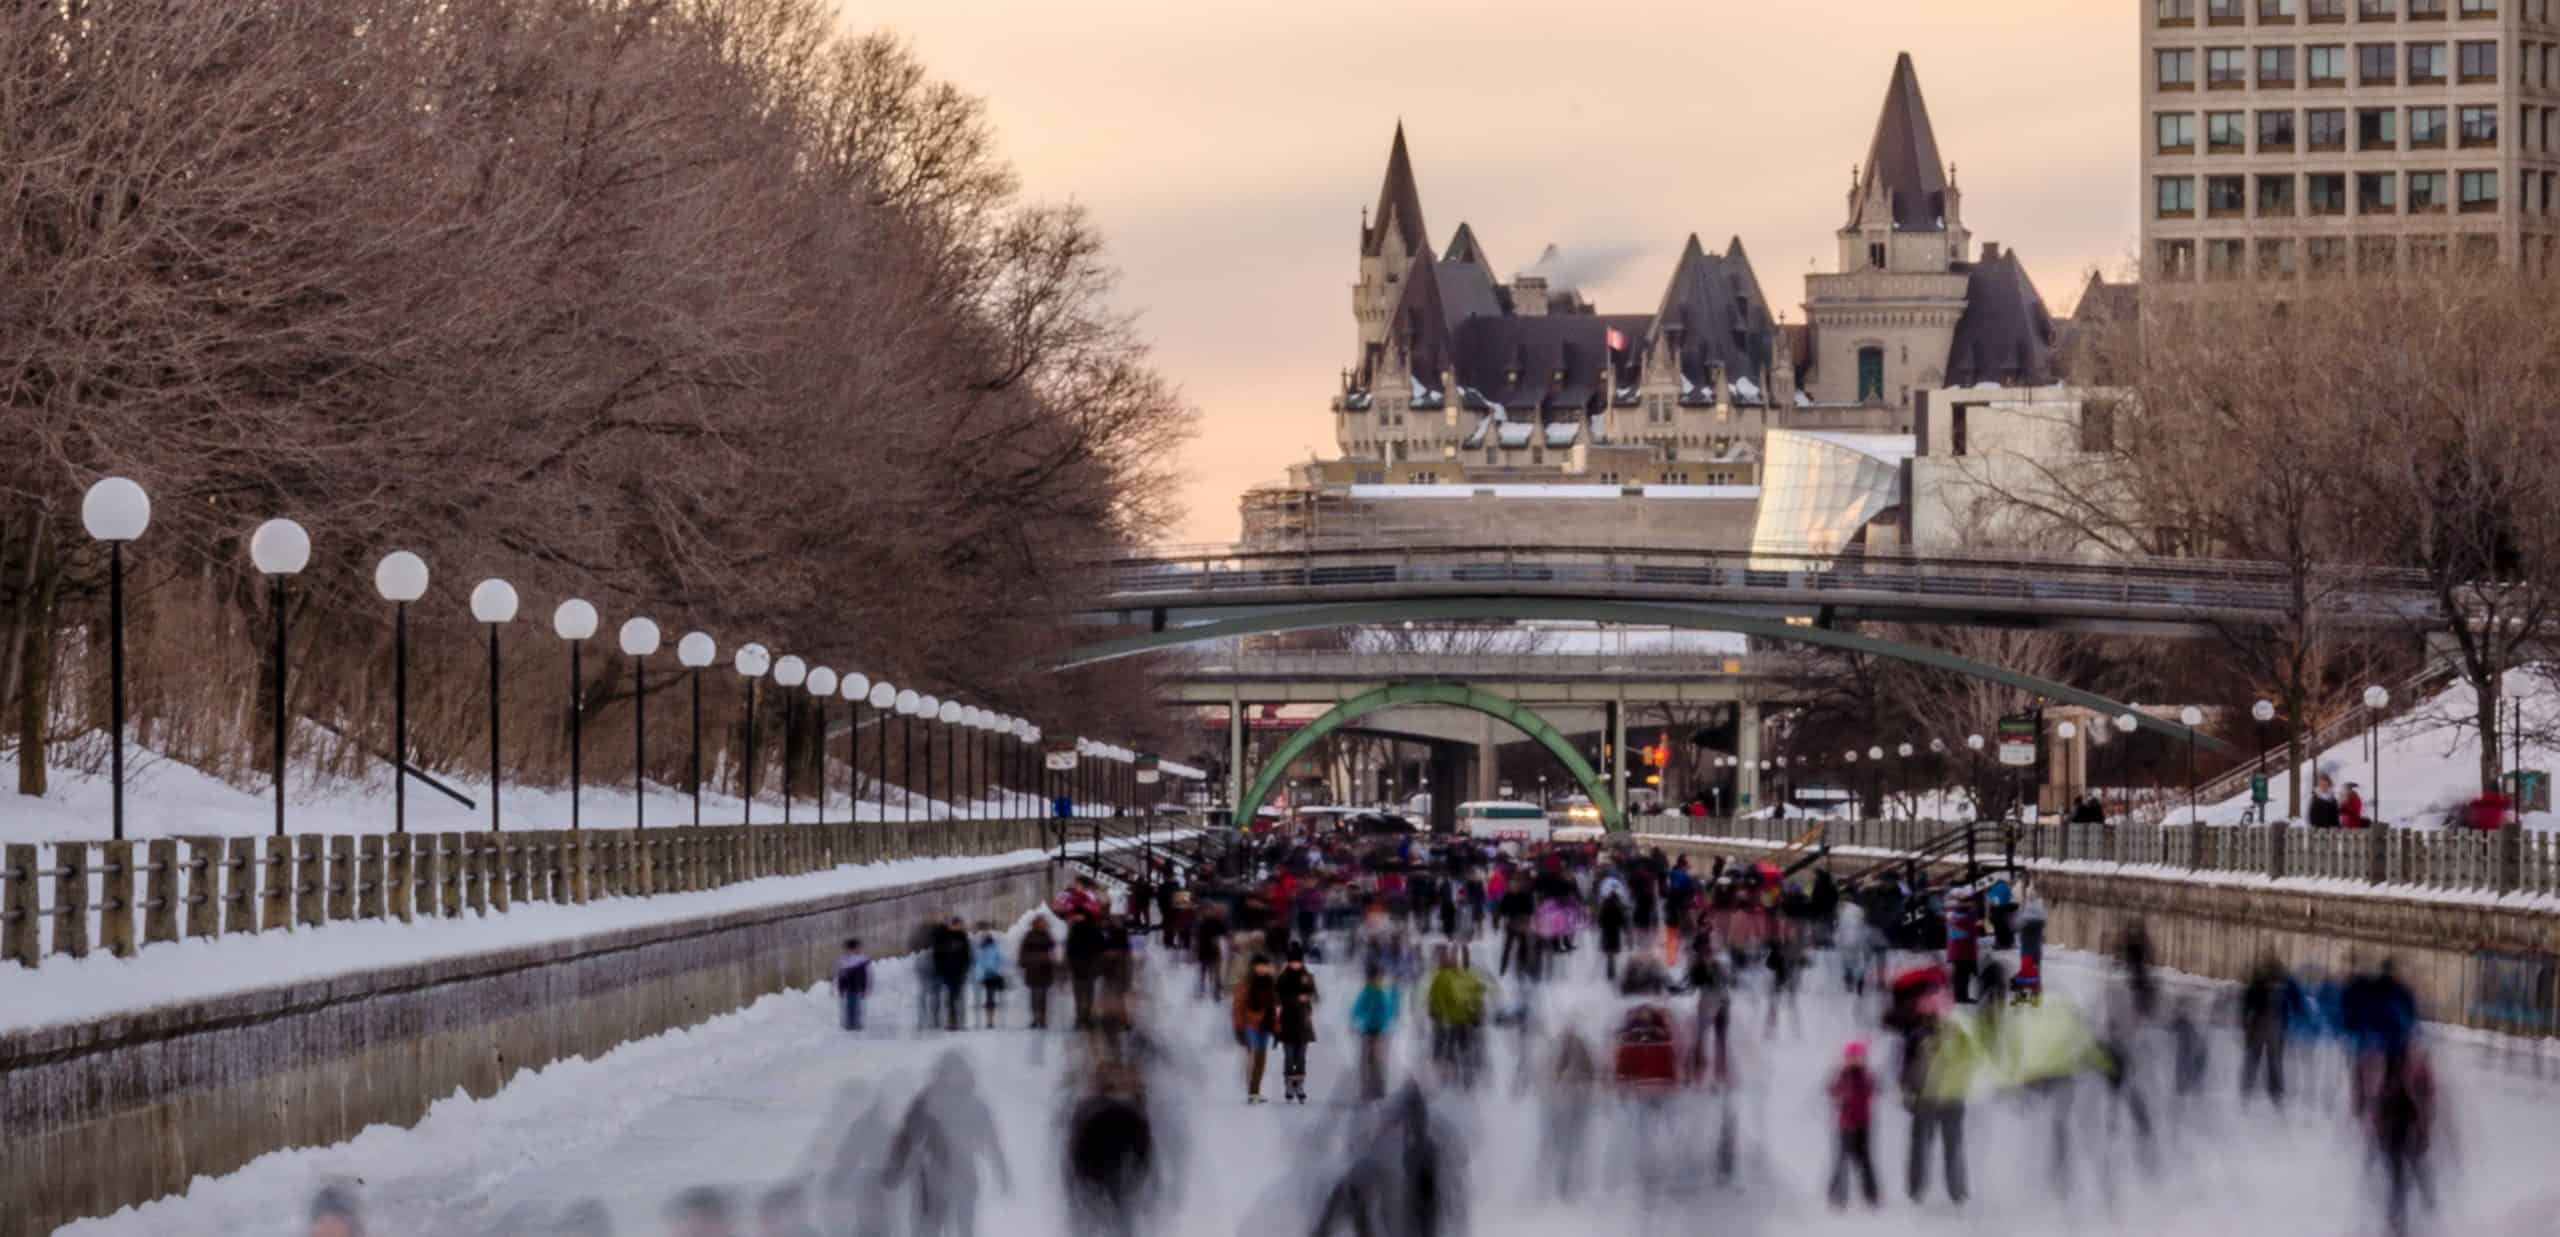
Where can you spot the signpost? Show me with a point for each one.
(2018, 733)
(1061, 754)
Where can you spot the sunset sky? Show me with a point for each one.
(1227, 150)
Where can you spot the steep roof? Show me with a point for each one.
(1421, 320)
(1903, 159)
(1467, 285)
(1399, 205)
(2005, 335)
(1489, 350)
(1714, 303)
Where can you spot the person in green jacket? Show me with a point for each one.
(2046, 1049)
(1456, 1001)
(1950, 1060)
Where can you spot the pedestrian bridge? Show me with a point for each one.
(1173, 586)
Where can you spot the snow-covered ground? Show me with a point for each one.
(2430, 759)
(164, 798)
(760, 1096)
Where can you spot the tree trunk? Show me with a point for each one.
(35, 683)
(2488, 691)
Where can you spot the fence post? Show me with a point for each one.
(240, 886)
(342, 879)
(310, 880)
(449, 865)
(115, 904)
(71, 899)
(275, 886)
(204, 887)
(370, 893)
(492, 867)
(160, 891)
(2510, 862)
(18, 935)
(2279, 838)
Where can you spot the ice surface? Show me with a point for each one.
(744, 1100)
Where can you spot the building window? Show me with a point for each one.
(2378, 128)
(2223, 259)
(2328, 10)
(1875, 252)
(2226, 197)
(2275, 194)
(2479, 8)
(2328, 128)
(2426, 128)
(2377, 10)
(1956, 428)
(2325, 255)
(2226, 68)
(2098, 426)
(2275, 130)
(2426, 10)
(2377, 64)
(2275, 12)
(2327, 193)
(2275, 67)
(1871, 362)
(2177, 197)
(2377, 193)
(2177, 133)
(2177, 259)
(2177, 12)
(2479, 62)
(2178, 70)
(2479, 126)
(2426, 253)
(2377, 255)
(2224, 12)
(2426, 64)
(2426, 193)
(2226, 133)
(2275, 259)
(2479, 191)
(2479, 252)
(2326, 66)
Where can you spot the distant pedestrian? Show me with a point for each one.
(1086, 940)
(1373, 1018)
(1296, 988)
(1853, 1106)
(953, 959)
(1038, 960)
(1256, 1016)
(853, 982)
(989, 973)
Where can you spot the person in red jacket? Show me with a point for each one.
(1964, 931)
(2351, 809)
(1853, 1102)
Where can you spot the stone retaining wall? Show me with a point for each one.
(2469, 963)
(100, 1115)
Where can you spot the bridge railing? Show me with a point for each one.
(69, 899)
(2182, 585)
(1368, 665)
(2436, 860)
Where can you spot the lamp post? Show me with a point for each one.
(2125, 725)
(752, 662)
(493, 602)
(401, 578)
(695, 652)
(575, 622)
(966, 740)
(2263, 712)
(639, 640)
(1875, 777)
(1973, 744)
(907, 703)
(2067, 731)
(949, 713)
(822, 684)
(1904, 751)
(2375, 701)
(2191, 717)
(789, 673)
(884, 701)
(116, 511)
(855, 687)
(279, 549)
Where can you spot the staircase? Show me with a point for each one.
(1982, 848)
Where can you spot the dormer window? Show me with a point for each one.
(1875, 255)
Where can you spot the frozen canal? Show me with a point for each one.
(761, 1097)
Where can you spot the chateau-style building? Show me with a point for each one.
(1463, 378)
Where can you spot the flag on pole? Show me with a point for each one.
(1617, 342)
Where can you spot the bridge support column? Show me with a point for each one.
(1444, 775)
(1746, 757)
(1489, 762)
(1618, 749)
(1235, 754)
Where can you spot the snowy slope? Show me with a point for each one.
(2430, 759)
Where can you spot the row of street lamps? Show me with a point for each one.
(116, 510)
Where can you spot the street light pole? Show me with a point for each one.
(115, 511)
(2191, 717)
(279, 550)
(789, 673)
(401, 578)
(2375, 700)
(694, 652)
(493, 602)
(822, 684)
(752, 662)
(639, 640)
(575, 621)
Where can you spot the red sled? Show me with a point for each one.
(1648, 1050)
